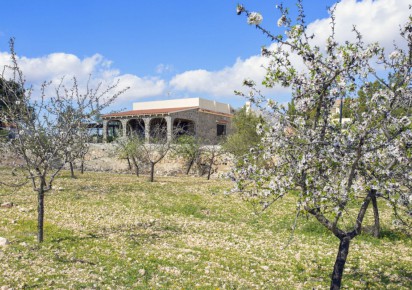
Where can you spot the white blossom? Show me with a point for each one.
(239, 9)
(248, 82)
(394, 54)
(405, 121)
(281, 20)
(254, 18)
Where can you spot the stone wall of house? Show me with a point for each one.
(205, 124)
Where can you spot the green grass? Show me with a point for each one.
(109, 231)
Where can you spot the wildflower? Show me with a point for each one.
(254, 18)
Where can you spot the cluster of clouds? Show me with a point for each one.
(378, 21)
(56, 66)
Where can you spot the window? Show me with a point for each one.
(221, 130)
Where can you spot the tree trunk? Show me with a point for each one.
(136, 166)
(72, 170)
(82, 167)
(40, 213)
(128, 162)
(376, 228)
(340, 263)
(210, 167)
(152, 165)
(190, 166)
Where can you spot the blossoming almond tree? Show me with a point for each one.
(338, 168)
(50, 129)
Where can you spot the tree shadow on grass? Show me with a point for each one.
(377, 279)
(73, 238)
(386, 234)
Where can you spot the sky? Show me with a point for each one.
(171, 49)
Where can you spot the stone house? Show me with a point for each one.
(208, 120)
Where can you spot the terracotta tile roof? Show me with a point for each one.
(216, 113)
(148, 112)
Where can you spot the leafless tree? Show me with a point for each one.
(130, 148)
(49, 128)
(189, 147)
(209, 158)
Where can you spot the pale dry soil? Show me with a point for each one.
(108, 231)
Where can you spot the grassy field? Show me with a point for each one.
(108, 231)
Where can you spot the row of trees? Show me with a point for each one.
(50, 130)
(190, 148)
(337, 168)
(51, 127)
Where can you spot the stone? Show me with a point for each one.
(264, 268)
(4, 241)
(142, 272)
(7, 205)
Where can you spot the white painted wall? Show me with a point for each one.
(184, 103)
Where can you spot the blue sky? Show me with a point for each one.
(164, 49)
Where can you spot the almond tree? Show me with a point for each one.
(333, 165)
(131, 148)
(189, 148)
(157, 147)
(210, 155)
(49, 128)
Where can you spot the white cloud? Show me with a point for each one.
(224, 82)
(140, 87)
(55, 66)
(164, 68)
(378, 21)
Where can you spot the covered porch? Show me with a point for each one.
(153, 129)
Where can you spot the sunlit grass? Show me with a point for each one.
(117, 231)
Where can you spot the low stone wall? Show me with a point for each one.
(104, 157)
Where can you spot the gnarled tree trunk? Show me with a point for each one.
(340, 263)
(82, 167)
(376, 228)
(72, 170)
(136, 166)
(40, 212)
(128, 163)
(152, 165)
(190, 166)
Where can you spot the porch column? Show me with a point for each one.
(105, 131)
(147, 129)
(124, 129)
(169, 121)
